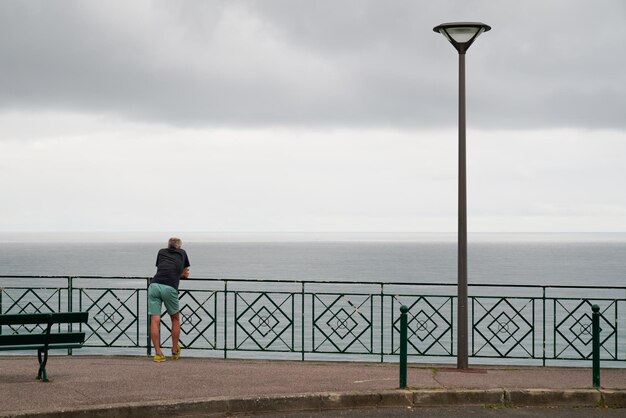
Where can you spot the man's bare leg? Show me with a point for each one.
(155, 327)
(175, 330)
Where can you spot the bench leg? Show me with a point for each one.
(41, 374)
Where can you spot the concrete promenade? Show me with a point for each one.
(114, 386)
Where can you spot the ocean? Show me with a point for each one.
(544, 259)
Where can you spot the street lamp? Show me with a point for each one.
(461, 35)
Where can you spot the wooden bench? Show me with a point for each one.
(41, 341)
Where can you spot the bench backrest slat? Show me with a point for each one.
(44, 318)
(34, 339)
(18, 319)
(67, 317)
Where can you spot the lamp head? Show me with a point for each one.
(462, 34)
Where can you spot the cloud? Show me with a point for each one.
(283, 115)
(138, 177)
(365, 64)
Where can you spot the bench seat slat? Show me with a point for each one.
(40, 339)
(37, 346)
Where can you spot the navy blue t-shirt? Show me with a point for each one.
(170, 264)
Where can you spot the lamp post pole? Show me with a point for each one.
(462, 35)
(462, 340)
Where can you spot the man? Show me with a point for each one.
(172, 264)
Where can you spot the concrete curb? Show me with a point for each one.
(222, 406)
(538, 397)
(436, 397)
(614, 398)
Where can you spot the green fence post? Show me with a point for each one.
(403, 344)
(148, 340)
(70, 308)
(302, 321)
(595, 331)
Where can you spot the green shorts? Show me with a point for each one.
(161, 293)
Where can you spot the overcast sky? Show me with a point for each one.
(322, 116)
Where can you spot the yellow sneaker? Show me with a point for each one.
(176, 355)
(159, 358)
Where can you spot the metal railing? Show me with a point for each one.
(337, 320)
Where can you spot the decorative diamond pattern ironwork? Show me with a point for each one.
(334, 323)
(344, 324)
(108, 318)
(341, 323)
(266, 321)
(503, 327)
(581, 329)
(18, 301)
(111, 317)
(421, 326)
(189, 319)
(197, 320)
(572, 324)
(31, 300)
(29, 308)
(429, 324)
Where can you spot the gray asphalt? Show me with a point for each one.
(106, 382)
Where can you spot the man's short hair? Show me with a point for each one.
(174, 243)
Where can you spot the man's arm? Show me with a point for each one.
(185, 274)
